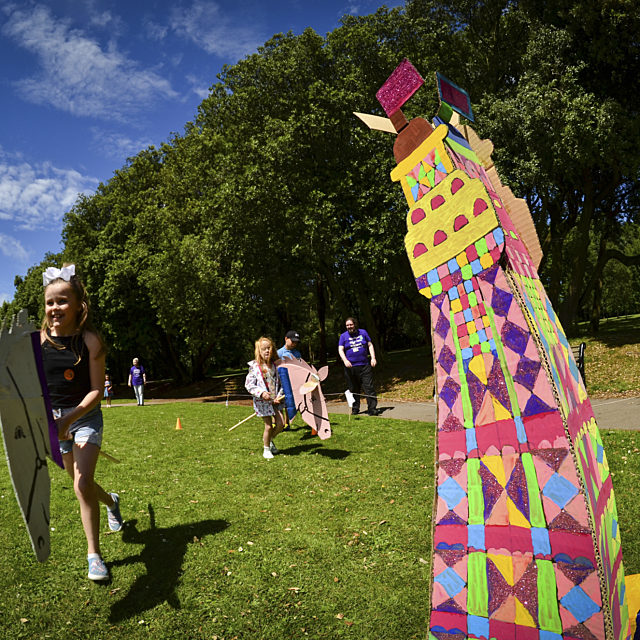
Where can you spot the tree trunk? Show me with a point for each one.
(569, 306)
(420, 307)
(321, 309)
(180, 373)
(367, 319)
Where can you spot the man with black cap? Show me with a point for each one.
(289, 350)
(290, 347)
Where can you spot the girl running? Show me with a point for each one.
(74, 361)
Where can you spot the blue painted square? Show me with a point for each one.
(478, 627)
(453, 584)
(614, 528)
(559, 489)
(520, 430)
(498, 235)
(482, 335)
(492, 344)
(453, 293)
(476, 267)
(540, 539)
(600, 453)
(468, 286)
(472, 443)
(475, 536)
(549, 635)
(453, 265)
(467, 353)
(451, 492)
(432, 276)
(468, 315)
(579, 604)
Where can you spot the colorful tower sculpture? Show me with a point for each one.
(526, 542)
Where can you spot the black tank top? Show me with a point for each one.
(68, 381)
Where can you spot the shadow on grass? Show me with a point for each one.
(317, 448)
(162, 556)
(614, 332)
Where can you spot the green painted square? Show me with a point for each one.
(485, 347)
(474, 339)
(467, 272)
(422, 173)
(481, 247)
(473, 300)
(411, 181)
(436, 288)
(432, 177)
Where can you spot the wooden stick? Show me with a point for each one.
(109, 457)
(241, 421)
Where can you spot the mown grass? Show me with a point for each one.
(623, 454)
(329, 539)
(612, 359)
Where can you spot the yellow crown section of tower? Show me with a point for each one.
(443, 223)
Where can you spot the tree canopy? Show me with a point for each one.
(273, 208)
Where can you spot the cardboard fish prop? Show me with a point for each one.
(526, 541)
(306, 393)
(28, 429)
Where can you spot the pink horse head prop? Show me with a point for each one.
(307, 394)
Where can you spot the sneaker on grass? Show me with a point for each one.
(273, 449)
(267, 453)
(97, 569)
(113, 513)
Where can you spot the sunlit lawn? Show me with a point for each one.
(329, 539)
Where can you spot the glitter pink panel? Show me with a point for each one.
(399, 87)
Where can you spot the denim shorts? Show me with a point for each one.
(85, 429)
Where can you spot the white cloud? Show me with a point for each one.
(206, 26)
(117, 145)
(154, 30)
(37, 196)
(5, 297)
(77, 74)
(198, 86)
(13, 249)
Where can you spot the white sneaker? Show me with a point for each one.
(273, 449)
(267, 453)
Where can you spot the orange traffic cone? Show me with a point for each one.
(178, 425)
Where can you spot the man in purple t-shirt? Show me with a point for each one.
(355, 347)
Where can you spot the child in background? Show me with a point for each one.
(263, 384)
(108, 389)
(74, 357)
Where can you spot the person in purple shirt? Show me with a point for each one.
(137, 380)
(355, 347)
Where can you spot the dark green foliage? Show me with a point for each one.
(274, 208)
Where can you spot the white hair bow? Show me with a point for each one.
(52, 274)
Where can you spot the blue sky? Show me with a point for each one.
(87, 83)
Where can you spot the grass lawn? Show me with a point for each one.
(612, 360)
(330, 539)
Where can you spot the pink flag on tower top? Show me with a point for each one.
(399, 87)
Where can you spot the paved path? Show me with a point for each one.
(616, 413)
